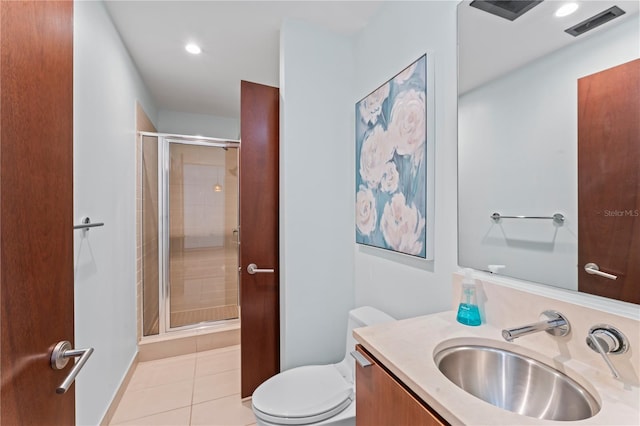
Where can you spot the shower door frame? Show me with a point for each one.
(164, 157)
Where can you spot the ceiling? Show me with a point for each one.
(239, 40)
(489, 46)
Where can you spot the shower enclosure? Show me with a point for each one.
(189, 231)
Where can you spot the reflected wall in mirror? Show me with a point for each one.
(518, 145)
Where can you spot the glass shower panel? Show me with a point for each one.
(203, 248)
(150, 235)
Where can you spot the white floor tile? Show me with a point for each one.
(216, 361)
(163, 371)
(201, 389)
(146, 402)
(228, 411)
(216, 386)
(179, 417)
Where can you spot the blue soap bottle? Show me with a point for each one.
(468, 312)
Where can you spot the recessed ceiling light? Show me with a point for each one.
(193, 48)
(566, 9)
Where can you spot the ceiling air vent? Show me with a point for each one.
(595, 21)
(506, 9)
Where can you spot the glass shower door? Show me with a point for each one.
(201, 243)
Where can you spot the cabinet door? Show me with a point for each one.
(382, 401)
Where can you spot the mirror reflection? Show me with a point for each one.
(549, 140)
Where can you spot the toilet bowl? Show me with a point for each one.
(315, 394)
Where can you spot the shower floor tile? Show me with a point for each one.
(195, 389)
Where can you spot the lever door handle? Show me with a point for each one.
(253, 269)
(60, 357)
(593, 269)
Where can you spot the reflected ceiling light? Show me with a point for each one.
(193, 48)
(217, 187)
(566, 9)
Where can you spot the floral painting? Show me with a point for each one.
(391, 139)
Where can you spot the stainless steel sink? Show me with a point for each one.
(516, 383)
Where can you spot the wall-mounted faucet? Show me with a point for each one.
(607, 340)
(552, 322)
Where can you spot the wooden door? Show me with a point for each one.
(259, 195)
(36, 209)
(382, 400)
(609, 181)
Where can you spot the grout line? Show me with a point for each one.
(193, 390)
(217, 373)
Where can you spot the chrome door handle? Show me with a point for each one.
(60, 357)
(593, 269)
(253, 269)
(361, 359)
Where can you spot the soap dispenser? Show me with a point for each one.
(468, 312)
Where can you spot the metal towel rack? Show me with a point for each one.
(557, 217)
(86, 224)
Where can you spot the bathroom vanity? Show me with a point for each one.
(381, 399)
(405, 386)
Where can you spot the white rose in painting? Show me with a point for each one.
(371, 106)
(408, 124)
(376, 150)
(405, 74)
(402, 225)
(390, 178)
(366, 215)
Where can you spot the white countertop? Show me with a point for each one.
(406, 348)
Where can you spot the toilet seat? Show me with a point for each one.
(303, 395)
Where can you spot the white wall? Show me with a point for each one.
(185, 123)
(524, 125)
(396, 36)
(106, 86)
(316, 193)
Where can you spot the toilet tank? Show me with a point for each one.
(360, 317)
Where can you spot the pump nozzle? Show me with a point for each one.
(494, 269)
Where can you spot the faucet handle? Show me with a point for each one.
(606, 339)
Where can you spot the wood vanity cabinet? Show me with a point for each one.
(382, 400)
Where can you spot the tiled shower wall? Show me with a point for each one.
(204, 246)
(231, 217)
(147, 226)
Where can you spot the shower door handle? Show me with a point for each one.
(253, 269)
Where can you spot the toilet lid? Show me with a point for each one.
(303, 395)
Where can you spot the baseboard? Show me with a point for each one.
(108, 415)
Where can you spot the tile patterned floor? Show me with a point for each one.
(196, 389)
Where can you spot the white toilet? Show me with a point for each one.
(315, 394)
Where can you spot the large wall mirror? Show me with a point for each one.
(549, 143)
